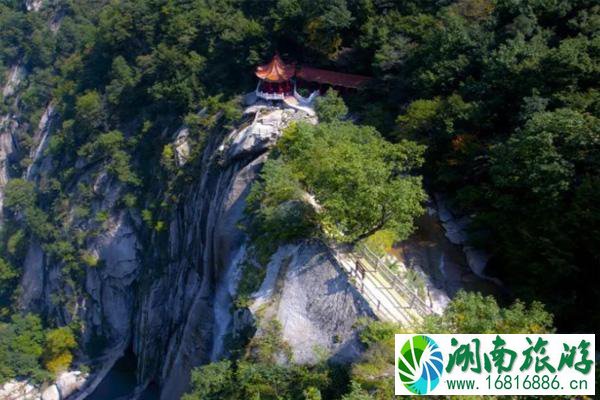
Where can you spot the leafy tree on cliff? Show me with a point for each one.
(361, 182)
(330, 107)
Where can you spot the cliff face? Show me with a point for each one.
(174, 310)
(307, 291)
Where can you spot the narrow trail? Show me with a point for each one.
(389, 299)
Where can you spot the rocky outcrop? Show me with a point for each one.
(15, 75)
(457, 232)
(168, 296)
(40, 140)
(182, 146)
(65, 385)
(204, 245)
(8, 127)
(309, 294)
(34, 5)
(7, 147)
(19, 390)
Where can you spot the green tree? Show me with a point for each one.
(8, 281)
(361, 181)
(124, 79)
(467, 312)
(357, 393)
(330, 107)
(21, 346)
(19, 195)
(278, 212)
(212, 382)
(419, 117)
(312, 393)
(90, 110)
(470, 312)
(57, 351)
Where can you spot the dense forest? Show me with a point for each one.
(495, 103)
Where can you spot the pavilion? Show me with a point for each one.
(279, 80)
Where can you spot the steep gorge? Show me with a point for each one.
(168, 296)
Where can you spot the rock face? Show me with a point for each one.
(66, 384)
(310, 295)
(15, 75)
(456, 231)
(6, 149)
(167, 296)
(182, 147)
(204, 243)
(19, 390)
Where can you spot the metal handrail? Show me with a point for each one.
(270, 96)
(378, 308)
(400, 286)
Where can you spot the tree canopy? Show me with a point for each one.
(361, 183)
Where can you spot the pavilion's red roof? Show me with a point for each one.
(331, 78)
(276, 70)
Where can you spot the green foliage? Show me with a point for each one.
(255, 381)
(250, 281)
(466, 313)
(90, 259)
(8, 281)
(258, 375)
(503, 93)
(57, 352)
(377, 331)
(90, 111)
(278, 212)
(474, 313)
(21, 346)
(212, 382)
(19, 195)
(268, 347)
(505, 97)
(21, 198)
(111, 148)
(419, 117)
(312, 393)
(361, 181)
(24, 345)
(381, 242)
(124, 80)
(330, 107)
(357, 393)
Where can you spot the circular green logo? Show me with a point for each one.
(420, 364)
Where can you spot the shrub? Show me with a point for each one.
(252, 278)
(57, 352)
(330, 107)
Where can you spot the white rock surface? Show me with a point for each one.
(182, 146)
(19, 390)
(15, 75)
(33, 5)
(40, 139)
(51, 393)
(6, 149)
(310, 295)
(70, 382)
